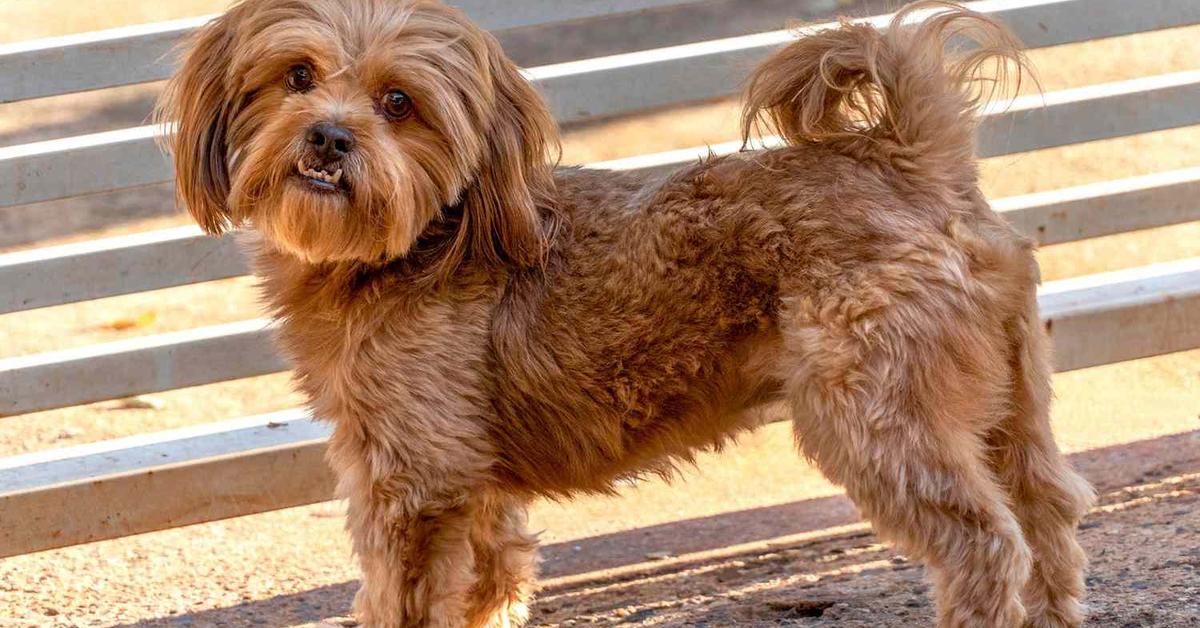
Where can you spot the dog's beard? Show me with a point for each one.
(376, 210)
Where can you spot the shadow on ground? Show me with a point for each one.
(842, 578)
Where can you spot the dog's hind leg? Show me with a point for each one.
(891, 401)
(505, 562)
(1048, 497)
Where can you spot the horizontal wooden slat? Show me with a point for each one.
(673, 26)
(1105, 208)
(1123, 315)
(108, 58)
(1096, 112)
(494, 15)
(180, 256)
(141, 53)
(84, 164)
(165, 362)
(143, 261)
(581, 90)
(1040, 24)
(113, 266)
(139, 365)
(95, 163)
(161, 480)
(584, 90)
(157, 481)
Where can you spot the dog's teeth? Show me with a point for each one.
(320, 175)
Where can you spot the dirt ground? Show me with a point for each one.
(752, 537)
(848, 579)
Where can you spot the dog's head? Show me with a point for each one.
(341, 129)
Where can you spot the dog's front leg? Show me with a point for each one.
(417, 560)
(505, 562)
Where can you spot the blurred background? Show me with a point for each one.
(301, 556)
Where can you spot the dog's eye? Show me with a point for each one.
(396, 105)
(299, 78)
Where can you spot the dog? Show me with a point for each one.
(483, 327)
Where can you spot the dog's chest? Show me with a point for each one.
(405, 378)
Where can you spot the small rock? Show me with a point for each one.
(68, 433)
(50, 612)
(1088, 525)
(141, 402)
(638, 616)
(658, 555)
(800, 608)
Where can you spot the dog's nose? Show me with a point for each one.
(330, 141)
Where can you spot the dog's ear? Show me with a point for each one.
(197, 103)
(501, 220)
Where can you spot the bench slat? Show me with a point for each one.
(105, 161)
(156, 481)
(161, 480)
(583, 90)
(181, 256)
(75, 63)
(1095, 112)
(135, 366)
(113, 266)
(142, 53)
(1123, 315)
(1105, 208)
(191, 358)
(84, 164)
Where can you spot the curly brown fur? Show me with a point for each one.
(482, 329)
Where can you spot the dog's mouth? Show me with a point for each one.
(320, 178)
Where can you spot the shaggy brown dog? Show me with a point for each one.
(483, 329)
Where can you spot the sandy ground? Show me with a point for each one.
(753, 536)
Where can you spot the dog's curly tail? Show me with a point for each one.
(897, 95)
